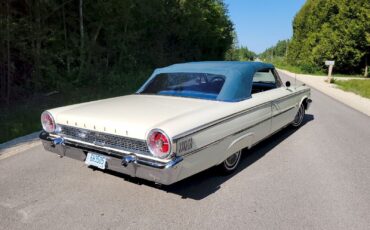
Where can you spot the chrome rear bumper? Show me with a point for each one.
(129, 164)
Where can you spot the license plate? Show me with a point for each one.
(96, 160)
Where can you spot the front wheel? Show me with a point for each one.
(298, 119)
(229, 165)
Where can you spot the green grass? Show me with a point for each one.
(23, 116)
(282, 64)
(360, 87)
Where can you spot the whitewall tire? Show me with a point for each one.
(230, 164)
(298, 119)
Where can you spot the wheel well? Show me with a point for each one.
(305, 103)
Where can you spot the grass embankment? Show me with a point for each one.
(282, 64)
(23, 116)
(360, 87)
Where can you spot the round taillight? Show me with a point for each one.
(47, 121)
(159, 144)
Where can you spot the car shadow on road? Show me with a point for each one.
(203, 184)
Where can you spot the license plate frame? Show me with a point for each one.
(96, 160)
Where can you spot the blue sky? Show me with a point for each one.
(260, 24)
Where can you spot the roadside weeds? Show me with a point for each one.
(350, 99)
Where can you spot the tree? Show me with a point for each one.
(331, 29)
(278, 50)
(89, 41)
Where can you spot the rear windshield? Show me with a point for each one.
(194, 85)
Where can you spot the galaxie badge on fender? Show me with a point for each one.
(185, 145)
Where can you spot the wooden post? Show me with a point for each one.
(330, 71)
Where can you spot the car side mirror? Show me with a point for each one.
(287, 83)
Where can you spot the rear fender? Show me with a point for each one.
(242, 142)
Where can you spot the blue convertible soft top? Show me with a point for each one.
(239, 75)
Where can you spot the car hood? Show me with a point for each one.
(131, 116)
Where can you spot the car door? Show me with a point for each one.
(267, 84)
(284, 105)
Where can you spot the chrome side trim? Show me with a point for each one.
(218, 121)
(204, 147)
(284, 111)
(271, 134)
(236, 133)
(231, 117)
(291, 95)
(223, 138)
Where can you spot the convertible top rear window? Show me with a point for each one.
(193, 85)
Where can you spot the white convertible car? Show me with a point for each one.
(184, 119)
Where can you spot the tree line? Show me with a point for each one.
(336, 30)
(278, 50)
(44, 44)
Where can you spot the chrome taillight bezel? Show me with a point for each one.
(152, 151)
(44, 125)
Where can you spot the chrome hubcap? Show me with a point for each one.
(232, 161)
(299, 117)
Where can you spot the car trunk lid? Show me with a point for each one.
(131, 116)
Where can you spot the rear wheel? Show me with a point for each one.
(299, 116)
(229, 165)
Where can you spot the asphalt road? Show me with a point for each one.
(316, 177)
